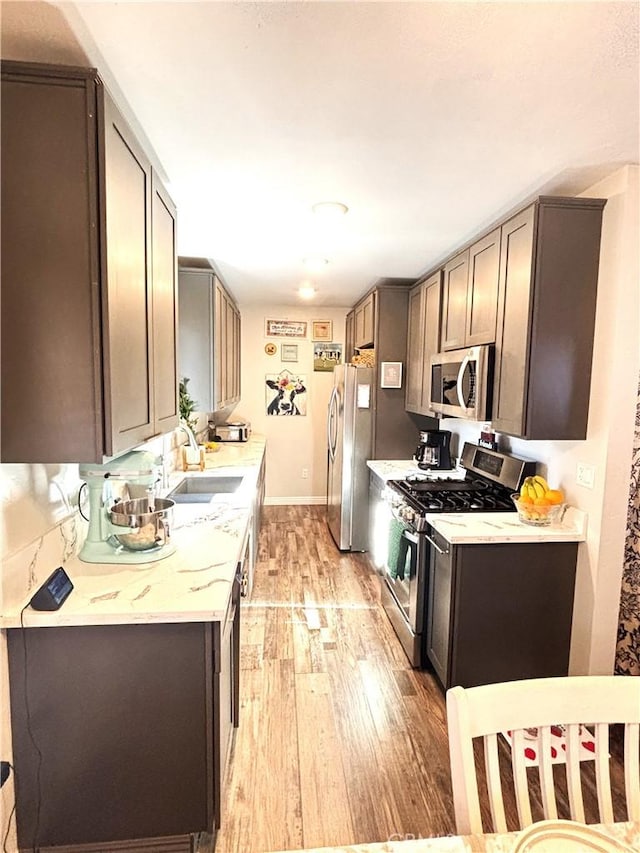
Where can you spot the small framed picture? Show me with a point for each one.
(289, 352)
(326, 356)
(321, 330)
(391, 374)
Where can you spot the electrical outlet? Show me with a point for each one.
(585, 475)
(305, 473)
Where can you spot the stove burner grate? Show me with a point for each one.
(454, 496)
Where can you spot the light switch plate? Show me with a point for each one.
(585, 475)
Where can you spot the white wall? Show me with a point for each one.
(608, 446)
(293, 443)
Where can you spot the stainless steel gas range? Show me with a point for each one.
(412, 544)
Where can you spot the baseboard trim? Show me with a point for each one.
(316, 501)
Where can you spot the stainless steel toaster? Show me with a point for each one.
(232, 431)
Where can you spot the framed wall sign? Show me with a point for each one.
(321, 330)
(289, 352)
(391, 374)
(285, 328)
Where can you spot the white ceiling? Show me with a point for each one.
(428, 119)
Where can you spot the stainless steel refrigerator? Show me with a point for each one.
(349, 438)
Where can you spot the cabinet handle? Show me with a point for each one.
(435, 545)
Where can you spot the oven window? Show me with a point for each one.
(401, 562)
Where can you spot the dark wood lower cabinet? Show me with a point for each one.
(121, 732)
(500, 612)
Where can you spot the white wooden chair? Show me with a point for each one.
(516, 706)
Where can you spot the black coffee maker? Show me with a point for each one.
(433, 450)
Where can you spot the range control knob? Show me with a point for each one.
(407, 514)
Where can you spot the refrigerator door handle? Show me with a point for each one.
(330, 419)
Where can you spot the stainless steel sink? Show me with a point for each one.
(202, 489)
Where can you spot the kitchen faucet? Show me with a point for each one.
(193, 441)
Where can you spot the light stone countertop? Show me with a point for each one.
(484, 527)
(399, 469)
(191, 585)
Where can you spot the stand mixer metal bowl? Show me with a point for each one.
(147, 526)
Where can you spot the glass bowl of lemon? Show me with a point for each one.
(538, 504)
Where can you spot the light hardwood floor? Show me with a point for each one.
(340, 741)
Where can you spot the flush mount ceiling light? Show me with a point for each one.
(306, 291)
(315, 264)
(333, 209)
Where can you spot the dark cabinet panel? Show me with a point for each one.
(482, 294)
(423, 342)
(165, 303)
(349, 337)
(415, 350)
(51, 332)
(210, 336)
(439, 609)
(78, 266)
(512, 348)
(123, 717)
(547, 302)
(470, 294)
(128, 198)
(227, 348)
(454, 301)
(500, 612)
(364, 322)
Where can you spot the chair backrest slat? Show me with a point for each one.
(574, 786)
(632, 770)
(494, 785)
(547, 788)
(577, 704)
(520, 783)
(603, 774)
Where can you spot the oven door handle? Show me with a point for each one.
(435, 544)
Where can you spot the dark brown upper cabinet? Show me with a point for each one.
(482, 295)
(422, 342)
(470, 294)
(88, 274)
(454, 301)
(364, 321)
(349, 336)
(547, 302)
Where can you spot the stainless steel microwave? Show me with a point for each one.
(461, 383)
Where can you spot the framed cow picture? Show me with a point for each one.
(286, 394)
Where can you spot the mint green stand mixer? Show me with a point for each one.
(126, 531)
